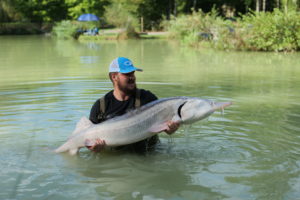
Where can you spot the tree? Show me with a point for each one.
(152, 12)
(41, 10)
(122, 12)
(78, 7)
(8, 12)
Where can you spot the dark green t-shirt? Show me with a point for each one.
(114, 107)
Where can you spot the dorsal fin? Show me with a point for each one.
(83, 123)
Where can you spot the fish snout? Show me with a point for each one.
(220, 105)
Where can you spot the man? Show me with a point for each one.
(125, 96)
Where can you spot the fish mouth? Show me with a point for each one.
(220, 105)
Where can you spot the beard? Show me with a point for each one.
(128, 88)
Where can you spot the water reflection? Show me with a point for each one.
(89, 59)
(127, 176)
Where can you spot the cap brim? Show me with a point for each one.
(138, 69)
(132, 69)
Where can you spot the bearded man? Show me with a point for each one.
(124, 97)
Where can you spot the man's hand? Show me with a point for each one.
(172, 127)
(98, 146)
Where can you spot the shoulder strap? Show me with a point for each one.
(137, 98)
(102, 104)
(136, 105)
(101, 116)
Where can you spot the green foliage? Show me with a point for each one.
(191, 29)
(41, 10)
(153, 12)
(289, 5)
(197, 27)
(128, 33)
(8, 12)
(78, 7)
(268, 31)
(122, 13)
(277, 31)
(66, 30)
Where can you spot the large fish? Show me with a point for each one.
(140, 123)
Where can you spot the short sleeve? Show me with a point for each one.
(147, 97)
(95, 110)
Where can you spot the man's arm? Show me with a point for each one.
(99, 144)
(95, 111)
(172, 127)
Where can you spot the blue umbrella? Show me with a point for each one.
(88, 17)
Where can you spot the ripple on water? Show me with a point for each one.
(250, 152)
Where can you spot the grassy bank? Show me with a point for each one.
(264, 31)
(84, 31)
(114, 35)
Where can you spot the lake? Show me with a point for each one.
(251, 151)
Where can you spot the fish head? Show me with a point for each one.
(195, 109)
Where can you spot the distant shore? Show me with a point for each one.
(112, 34)
(104, 33)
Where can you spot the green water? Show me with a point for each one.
(252, 151)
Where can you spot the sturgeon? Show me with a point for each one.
(140, 123)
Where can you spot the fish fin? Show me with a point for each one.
(73, 151)
(158, 128)
(176, 119)
(83, 123)
(62, 148)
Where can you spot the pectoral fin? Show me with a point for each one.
(84, 123)
(176, 119)
(73, 151)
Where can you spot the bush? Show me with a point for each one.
(121, 16)
(66, 30)
(277, 31)
(199, 27)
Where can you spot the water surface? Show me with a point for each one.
(252, 151)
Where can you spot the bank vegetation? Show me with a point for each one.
(257, 31)
(259, 25)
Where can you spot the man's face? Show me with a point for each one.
(126, 82)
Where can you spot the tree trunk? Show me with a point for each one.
(175, 8)
(257, 5)
(142, 24)
(284, 5)
(264, 5)
(195, 4)
(169, 10)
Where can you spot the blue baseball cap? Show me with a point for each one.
(122, 65)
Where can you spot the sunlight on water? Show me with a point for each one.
(250, 151)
